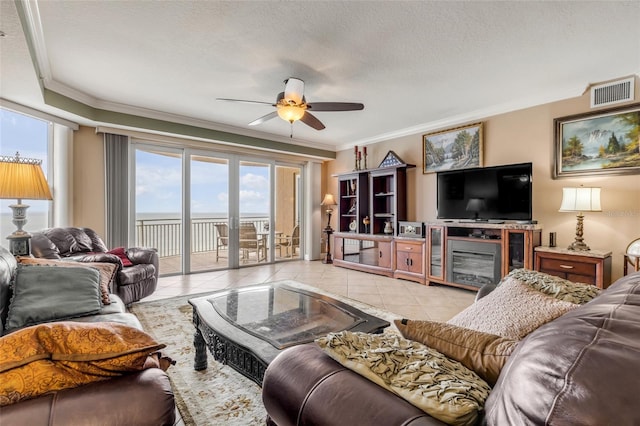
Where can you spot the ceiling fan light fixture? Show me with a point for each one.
(290, 113)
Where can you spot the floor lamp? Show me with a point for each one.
(22, 178)
(580, 200)
(328, 202)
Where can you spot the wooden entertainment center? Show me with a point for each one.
(466, 254)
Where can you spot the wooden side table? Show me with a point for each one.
(591, 267)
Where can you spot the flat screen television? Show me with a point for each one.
(498, 193)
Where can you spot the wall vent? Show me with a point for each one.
(613, 92)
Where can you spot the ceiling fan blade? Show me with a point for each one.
(311, 121)
(264, 118)
(245, 101)
(335, 106)
(294, 90)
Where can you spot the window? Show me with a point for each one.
(30, 137)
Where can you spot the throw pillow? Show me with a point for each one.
(69, 354)
(512, 310)
(122, 254)
(443, 388)
(483, 353)
(107, 271)
(556, 287)
(49, 293)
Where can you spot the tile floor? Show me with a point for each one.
(405, 298)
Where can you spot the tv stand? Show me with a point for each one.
(471, 254)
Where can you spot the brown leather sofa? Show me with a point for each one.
(581, 369)
(143, 398)
(132, 282)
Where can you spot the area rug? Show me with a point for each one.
(218, 395)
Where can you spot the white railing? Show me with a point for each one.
(166, 234)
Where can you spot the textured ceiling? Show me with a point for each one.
(417, 66)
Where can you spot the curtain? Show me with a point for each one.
(116, 150)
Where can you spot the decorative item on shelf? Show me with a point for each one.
(366, 221)
(392, 160)
(411, 229)
(388, 227)
(22, 178)
(353, 225)
(364, 150)
(358, 158)
(476, 205)
(328, 202)
(580, 200)
(353, 185)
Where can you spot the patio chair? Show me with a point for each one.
(250, 241)
(222, 238)
(289, 242)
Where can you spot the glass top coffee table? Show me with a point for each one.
(248, 327)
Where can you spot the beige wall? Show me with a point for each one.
(88, 188)
(519, 136)
(525, 136)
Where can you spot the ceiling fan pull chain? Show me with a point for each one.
(291, 136)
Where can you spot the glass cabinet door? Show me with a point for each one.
(436, 250)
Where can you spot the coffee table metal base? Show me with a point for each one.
(297, 314)
(225, 351)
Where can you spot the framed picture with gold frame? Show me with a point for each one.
(451, 149)
(604, 142)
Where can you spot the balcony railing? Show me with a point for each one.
(166, 234)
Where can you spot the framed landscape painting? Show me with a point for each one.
(601, 142)
(459, 148)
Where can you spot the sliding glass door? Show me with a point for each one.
(239, 211)
(209, 212)
(254, 211)
(158, 205)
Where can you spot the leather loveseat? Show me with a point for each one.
(140, 398)
(137, 276)
(582, 368)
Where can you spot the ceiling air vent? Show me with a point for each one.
(612, 93)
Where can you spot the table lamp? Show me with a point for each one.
(22, 178)
(328, 202)
(580, 200)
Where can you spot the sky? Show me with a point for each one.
(158, 178)
(158, 186)
(27, 135)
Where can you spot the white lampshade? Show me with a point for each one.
(580, 200)
(329, 200)
(294, 90)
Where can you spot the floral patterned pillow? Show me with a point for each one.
(443, 388)
(69, 354)
(555, 287)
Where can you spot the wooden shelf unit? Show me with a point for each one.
(379, 194)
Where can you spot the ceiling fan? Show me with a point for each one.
(292, 106)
